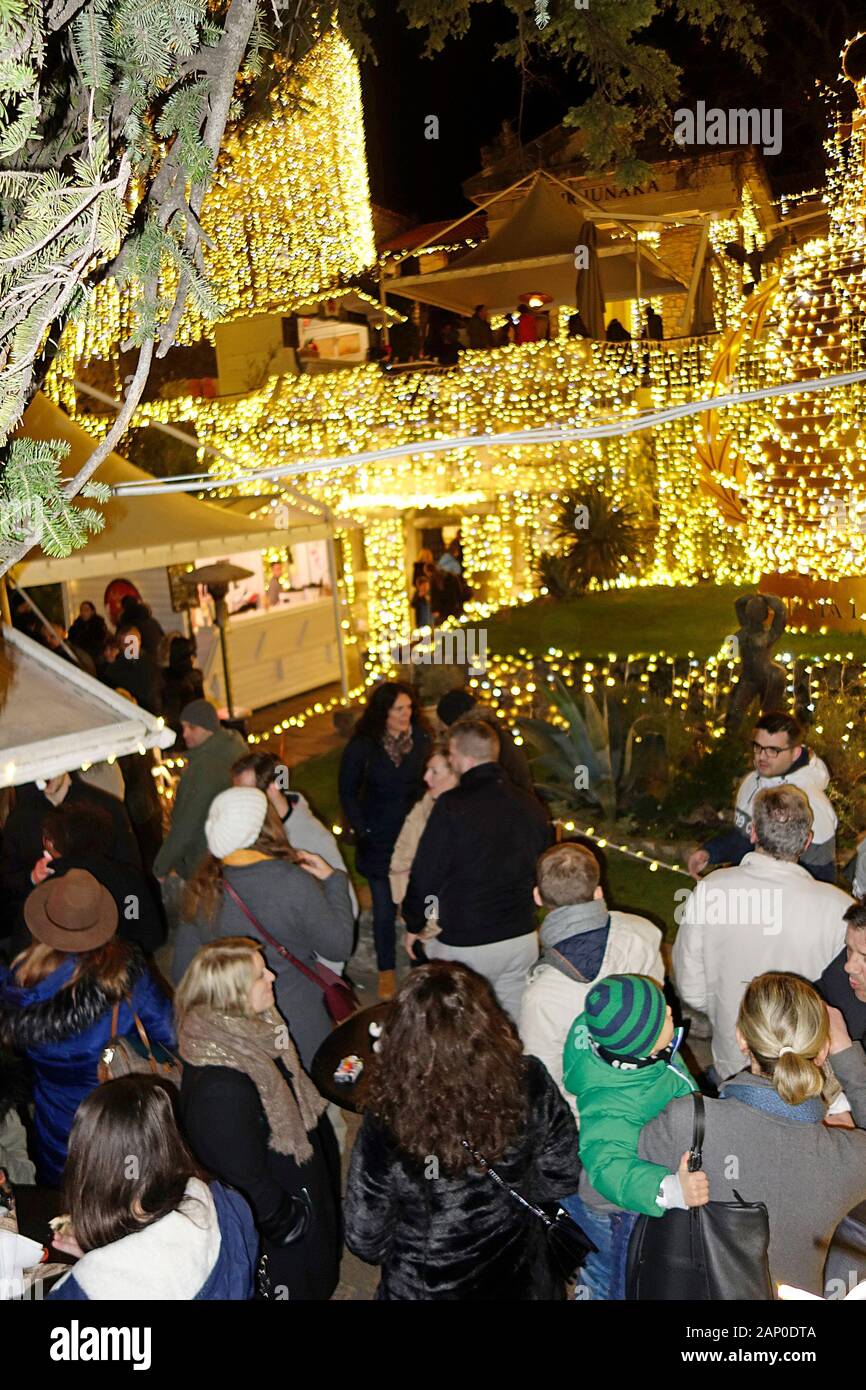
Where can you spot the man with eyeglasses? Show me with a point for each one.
(780, 756)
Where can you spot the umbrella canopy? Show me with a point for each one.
(219, 575)
(589, 300)
(534, 250)
(703, 316)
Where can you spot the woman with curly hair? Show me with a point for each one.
(452, 1073)
(58, 997)
(380, 781)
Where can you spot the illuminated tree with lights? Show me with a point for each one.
(113, 115)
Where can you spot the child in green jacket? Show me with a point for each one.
(619, 1063)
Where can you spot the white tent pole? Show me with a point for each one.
(479, 207)
(338, 622)
(45, 623)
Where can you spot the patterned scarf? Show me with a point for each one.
(397, 746)
(252, 1045)
(767, 1098)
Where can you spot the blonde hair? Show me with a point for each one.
(782, 1011)
(219, 978)
(108, 965)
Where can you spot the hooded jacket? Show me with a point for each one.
(207, 1250)
(809, 1174)
(810, 774)
(766, 914)
(208, 772)
(614, 1106)
(63, 1030)
(554, 997)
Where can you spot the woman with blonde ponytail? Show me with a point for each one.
(766, 1136)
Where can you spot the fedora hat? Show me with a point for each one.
(71, 913)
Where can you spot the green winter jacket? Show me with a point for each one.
(614, 1106)
(207, 773)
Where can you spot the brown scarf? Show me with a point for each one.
(397, 746)
(252, 1045)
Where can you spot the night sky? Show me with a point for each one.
(471, 93)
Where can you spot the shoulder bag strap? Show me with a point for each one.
(491, 1172)
(696, 1154)
(278, 947)
(115, 1017)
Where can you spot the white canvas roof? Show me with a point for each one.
(534, 250)
(55, 718)
(150, 531)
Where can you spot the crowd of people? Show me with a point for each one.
(439, 589)
(534, 1053)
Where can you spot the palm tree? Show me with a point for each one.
(602, 539)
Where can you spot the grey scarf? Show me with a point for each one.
(561, 933)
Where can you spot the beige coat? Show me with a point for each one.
(552, 1001)
(407, 845)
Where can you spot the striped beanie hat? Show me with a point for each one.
(625, 1014)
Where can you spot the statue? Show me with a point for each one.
(759, 676)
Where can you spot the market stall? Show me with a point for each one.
(284, 634)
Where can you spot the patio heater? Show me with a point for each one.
(216, 579)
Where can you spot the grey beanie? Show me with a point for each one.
(202, 714)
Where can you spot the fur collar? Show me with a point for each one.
(72, 1010)
(172, 1259)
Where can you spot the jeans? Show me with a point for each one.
(603, 1275)
(504, 964)
(384, 923)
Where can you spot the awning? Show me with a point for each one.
(535, 250)
(148, 532)
(55, 718)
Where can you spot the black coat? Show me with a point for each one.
(464, 1238)
(477, 857)
(376, 796)
(90, 634)
(225, 1123)
(140, 676)
(139, 915)
(833, 987)
(22, 840)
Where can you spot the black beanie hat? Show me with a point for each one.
(454, 705)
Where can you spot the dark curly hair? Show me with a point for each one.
(372, 722)
(451, 1068)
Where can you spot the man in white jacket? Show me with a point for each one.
(781, 758)
(581, 942)
(768, 913)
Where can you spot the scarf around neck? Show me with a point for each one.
(397, 746)
(767, 1098)
(253, 1046)
(574, 938)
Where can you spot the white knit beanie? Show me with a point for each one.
(235, 820)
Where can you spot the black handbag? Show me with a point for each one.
(709, 1253)
(567, 1245)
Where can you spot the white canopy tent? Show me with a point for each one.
(148, 532)
(55, 718)
(534, 251)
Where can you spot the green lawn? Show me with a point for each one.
(642, 621)
(632, 886)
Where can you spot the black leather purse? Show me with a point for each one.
(709, 1253)
(567, 1245)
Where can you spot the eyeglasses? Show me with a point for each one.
(769, 749)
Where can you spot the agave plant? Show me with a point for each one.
(601, 539)
(586, 757)
(554, 575)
